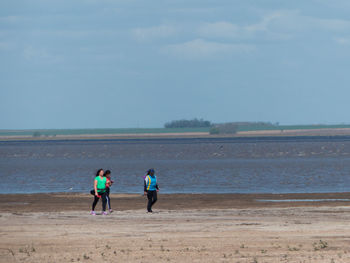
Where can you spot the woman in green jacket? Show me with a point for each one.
(99, 191)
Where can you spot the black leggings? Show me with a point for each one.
(152, 198)
(108, 199)
(104, 201)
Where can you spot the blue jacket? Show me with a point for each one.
(150, 183)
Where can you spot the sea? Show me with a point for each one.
(183, 165)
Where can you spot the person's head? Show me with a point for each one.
(99, 172)
(150, 171)
(107, 173)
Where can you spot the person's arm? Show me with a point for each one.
(95, 187)
(145, 182)
(108, 183)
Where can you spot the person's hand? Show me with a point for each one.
(144, 193)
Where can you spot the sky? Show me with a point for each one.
(139, 63)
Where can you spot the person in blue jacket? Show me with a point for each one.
(150, 189)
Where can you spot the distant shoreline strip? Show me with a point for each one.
(301, 200)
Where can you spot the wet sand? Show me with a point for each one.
(184, 228)
(82, 202)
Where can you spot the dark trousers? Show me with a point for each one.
(152, 198)
(104, 201)
(108, 199)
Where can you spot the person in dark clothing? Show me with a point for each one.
(108, 185)
(150, 189)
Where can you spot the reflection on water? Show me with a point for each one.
(182, 166)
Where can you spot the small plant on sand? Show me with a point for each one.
(263, 251)
(242, 246)
(293, 248)
(85, 256)
(24, 250)
(108, 247)
(320, 245)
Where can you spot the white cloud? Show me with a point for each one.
(282, 25)
(40, 55)
(73, 34)
(333, 24)
(5, 46)
(11, 19)
(294, 22)
(227, 30)
(342, 40)
(219, 29)
(200, 48)
(263, 25)
(156, 32)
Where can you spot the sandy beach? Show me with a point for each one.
(184, 228)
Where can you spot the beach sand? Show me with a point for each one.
(184, 228)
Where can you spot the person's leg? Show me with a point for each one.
(149, 204)
(104, 201)
(154, 197)
(108, 199)
(95, 202)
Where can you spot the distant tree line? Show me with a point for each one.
(224, 128)
(220, 128)
(36, 134)
(195, 123)
(234, 127)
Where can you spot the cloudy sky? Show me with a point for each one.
(140, 63)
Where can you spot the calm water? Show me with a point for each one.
(253, 165)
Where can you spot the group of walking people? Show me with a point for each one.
(103, 182)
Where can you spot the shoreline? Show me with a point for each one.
(190, 135)
(59, 202)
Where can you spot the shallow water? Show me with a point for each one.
(289, 165)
